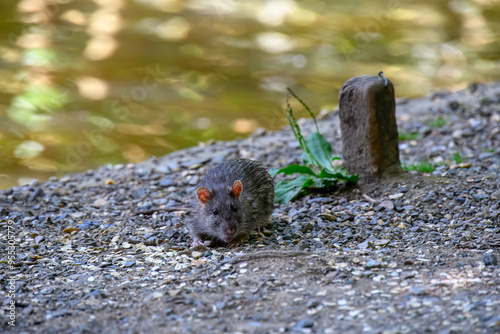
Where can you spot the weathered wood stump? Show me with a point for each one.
(369, 130)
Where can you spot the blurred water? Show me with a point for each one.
(84, 83)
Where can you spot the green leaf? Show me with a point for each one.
(329, 174)
(286, 190)
(305, 159)
(353, 178)
(327, 183)
(320, 149)
(292, 169)
(273, 172)
(326, 174)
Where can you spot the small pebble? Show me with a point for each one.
(372, 264)
(304, 324)
(490, 259)
(312, 303)
(418, 290)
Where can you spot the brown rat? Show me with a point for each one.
(234, 198)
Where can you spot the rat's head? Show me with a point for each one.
(221, 210)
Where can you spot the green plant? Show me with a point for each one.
(317, 171)
(437, 123)
(488, 149)
(423, 166)
(408, 136)
(457, 157)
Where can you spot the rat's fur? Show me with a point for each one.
(253, 207)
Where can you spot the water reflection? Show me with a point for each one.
(86, 83)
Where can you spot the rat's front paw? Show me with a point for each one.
(197, 242)
(238, 241)
(234, 244)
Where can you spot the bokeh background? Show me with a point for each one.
(84, 83)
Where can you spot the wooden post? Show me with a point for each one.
(369, 130)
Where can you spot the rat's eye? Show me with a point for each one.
(234, 208)
(215, 212)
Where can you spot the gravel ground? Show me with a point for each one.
(107, 251)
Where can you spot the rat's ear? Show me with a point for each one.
(203, 194)
(237, 188)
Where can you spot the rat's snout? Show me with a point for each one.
(228, 231)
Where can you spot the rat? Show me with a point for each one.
(234, 198)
